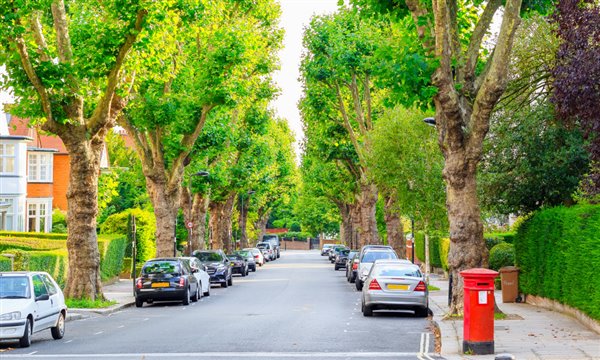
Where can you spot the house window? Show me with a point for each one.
(40, 167)
(38, 216)
(7, 213)
(7, 158)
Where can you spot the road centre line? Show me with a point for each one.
(220, 355)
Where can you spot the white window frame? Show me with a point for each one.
(37, 205)
(35, 176)
(9, 223)
(4, 158)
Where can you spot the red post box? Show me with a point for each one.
(478, 326)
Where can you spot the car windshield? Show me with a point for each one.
(161, 267)
(391, 270)
(243, 253)
(344, 252)
(371, 256)
(262, 246)
(235, 257)
(208, 256)
(14, 287)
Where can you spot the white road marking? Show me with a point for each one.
(98, 333)
(122, 326)
(68, 341)
(258, 280)
(31, 353)
(370, 355)
(146, 319)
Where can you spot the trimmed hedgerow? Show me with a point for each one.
(145, 235)
(558, 253)
(112, 252)
(438, 249)
(502, 255)
(18, 234)
(4, 263)
(28, 243)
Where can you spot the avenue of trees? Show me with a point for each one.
(510, 87)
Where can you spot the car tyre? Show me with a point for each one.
(139, 303)
(359, 285)
(243, 272)
(186, 297)
(58, 331)
(367, 310)
(337, 268)
(197, 295)
(25, 341)
(230, 281)
(422, 312)
(254, 268)
(225, 284)
(207, 293)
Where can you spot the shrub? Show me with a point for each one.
(296, 235)
(4, 264)
(444, 250)
(112, 252)
(558, 253)
(19, 234)
(59, 221)
(31, 243)
(146, 230)
(502, 255)
(54, 262)
(419, 245)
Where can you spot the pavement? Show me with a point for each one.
(120, 291)
(529, 332)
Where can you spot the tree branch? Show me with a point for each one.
(367, 90)
(347, 125)
(61, 27)
(38, 35)
(418, 12)
(353, 86)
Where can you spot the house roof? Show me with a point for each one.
(20, 127)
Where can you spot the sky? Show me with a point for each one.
(295, 16)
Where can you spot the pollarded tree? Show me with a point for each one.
(70, 64)
(219, 60)
(338, 70)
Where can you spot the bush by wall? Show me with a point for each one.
(444, 249)
(438, 249)
(4, 263)
(296, 235)
(146, 230)
(493, 239)
(112, 252)
(59, 221)
(558, 252)
(502, 255)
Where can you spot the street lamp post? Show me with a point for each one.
(412, 232)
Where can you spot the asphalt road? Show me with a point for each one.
(295, 307)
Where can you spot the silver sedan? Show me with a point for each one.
(395, 285)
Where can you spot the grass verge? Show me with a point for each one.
(89, 304)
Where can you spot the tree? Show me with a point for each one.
(577, 76)
(69, 65)
(338, 71)
(220, 59)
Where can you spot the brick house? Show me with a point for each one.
(34, 176)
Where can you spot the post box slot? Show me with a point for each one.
(483, 284)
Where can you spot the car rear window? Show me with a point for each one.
(14, 287)
(371, 256)
(391, 270)
(208, 256)
(243, 253)
(235, 257)
(161, 267)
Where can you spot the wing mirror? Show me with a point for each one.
(43, 297)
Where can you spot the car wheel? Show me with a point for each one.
(254, 268)
(422, 312)
(243, 272)
(352, 278)
(186, 297)
(196, 295)
(207, 293)
(336, 268)
(58, 331)
(139, 303)
(367, 310)
(224, 284)
(230, 281)
(25, 341)
(359, 285)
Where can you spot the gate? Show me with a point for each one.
(315, 243)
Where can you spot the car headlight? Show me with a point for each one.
(15, 315)
(221, 268)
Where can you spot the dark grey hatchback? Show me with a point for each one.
(166, 279)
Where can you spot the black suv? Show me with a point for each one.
(274, 241)
(218, 266)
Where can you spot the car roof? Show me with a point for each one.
(21, 273)
(394, 261)
(165, 258)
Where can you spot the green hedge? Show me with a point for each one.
(146, 231)
(297, 235)
(493, 239)
(502, 255)
(558, 252)
(4, 263)
(112, 252)
(33, 235)
(438, 249)
(54, 262)
(28, 243)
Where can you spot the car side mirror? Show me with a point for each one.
(204, 267)
(44, 297)
(194, 270)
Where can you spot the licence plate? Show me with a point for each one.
(160, 284)
(397, 287)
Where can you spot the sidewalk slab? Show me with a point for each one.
(121, 291)
(537, 334)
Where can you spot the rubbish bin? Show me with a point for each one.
(509, 278)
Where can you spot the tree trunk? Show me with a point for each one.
(242, 220)
(166, 204)
(393, 224)
(261, 223)
(220, 223)
(199, 212)
(467, 248)
(366, 223)
(346, 228)
(83, 280)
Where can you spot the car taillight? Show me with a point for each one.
(138, 283)
(421, 286)
(256, 256)
(181, 281)
(374, 285)
(354, 266)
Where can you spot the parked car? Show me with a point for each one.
(247, 254)
(335, 251)
(340, 259)
(200, 273)
(30, 302)
(259, 258)
(352, 265)
(393, 285)
(239, 265)
(275, 244)
(218, 266)
(325, 249)
(166, 279)
(267, 250)
(366, 261)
